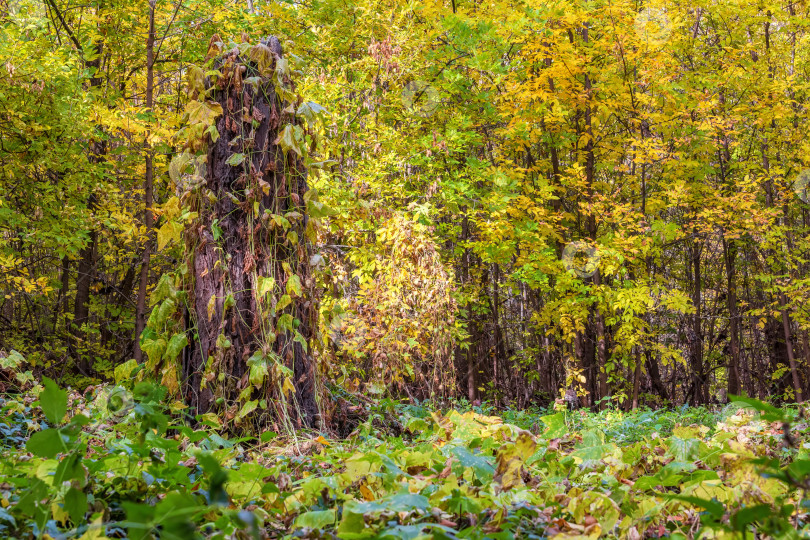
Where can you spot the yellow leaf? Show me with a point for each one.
(170, 231)
(322, 440)
(212, 304)
(294, 285)
(288, 387)
(265, 285)
(366, 492)
(283, 302)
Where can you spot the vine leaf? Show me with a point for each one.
(288, 139)
(265, 285)
(294, 285)
(235, 159)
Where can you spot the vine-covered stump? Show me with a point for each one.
(252, 309)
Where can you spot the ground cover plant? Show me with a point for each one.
(121, 462)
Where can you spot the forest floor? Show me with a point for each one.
(115, 464)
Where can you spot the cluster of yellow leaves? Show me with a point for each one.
(402, 318)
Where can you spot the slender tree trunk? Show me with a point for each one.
(81, 305)
(500, 352)
(636, 378)
(794, 371)
(601, 349)
(590, 174)
(63, 301)
(148, 186)
(87, 256)
(730, 252)
(694, 333)
(806, 354)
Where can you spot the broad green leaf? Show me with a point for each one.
(76, 505)
(593, 447)
(170, 232)
(247, 408)
(288, 139)
(154, 349)
(482, 467)
(176, 345)
(283, 302)
(124, 371)
(53, 401)
(235, 159)
(285, 322)
(685, 450)
(47, 443)
(555, 426)
(316, 519)
(203, 112)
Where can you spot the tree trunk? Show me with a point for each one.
(655, 376)
(794, 371)
(81, 304)
(87, 256)
(730, 251)
(148, 186)
(636, 378)
(698, 386)
(250, 253)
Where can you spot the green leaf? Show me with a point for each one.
(285, 322)
(283, 302)
(12, 361)
(161, 314)
(247, 408)
(47, 443)
(593, 446)
(316, 520)
(751, 514)
(203, 112)
(555, 426)
(715, 508)
(287, 139)
(176, 345)
(481, 466)
(770, 413)
(258, 369)
(170, 232)
(124, 371)
(685, 450)
(70, 468)
(311, 111)
(76, 505)
(164, 289)
(154, 349)
(178, 165)
(53, 401)
(235, 159)
(298, 338)
(510, 460)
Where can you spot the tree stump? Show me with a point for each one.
(252, 310)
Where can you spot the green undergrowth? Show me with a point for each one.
(119, 464)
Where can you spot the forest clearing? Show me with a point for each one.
(404, 269)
